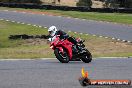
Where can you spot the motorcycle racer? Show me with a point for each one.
(68, 48)
(53, 31)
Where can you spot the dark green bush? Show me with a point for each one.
(87, 3)
(118, 3)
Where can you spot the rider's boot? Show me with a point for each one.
(80, 50)
(75, 49)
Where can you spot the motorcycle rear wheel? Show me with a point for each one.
(62, 57)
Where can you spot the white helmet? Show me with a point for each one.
(52, 30)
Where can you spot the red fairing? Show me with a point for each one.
(67, 45)
(61, 44)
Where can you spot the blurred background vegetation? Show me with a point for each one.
(89, 3)
(22, 1)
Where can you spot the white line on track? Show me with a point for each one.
(18, 22)
(113, 57)
(23, 12)
(69, 17)
(100, 36)
(13, 21)
(76, 18)
(118, 39)
(59, 16)
(75, 32)
(7, 20)
(124, 40)
(69, 31)
(1, 19)
(129, 41)
(28, 24)
(55, 58)
(106, 37)
(26, 59)
(14, 11)
(6, 10)
(113, 38)
(22, 23)
(83, 19)
(40, 26)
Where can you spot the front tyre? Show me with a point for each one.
(62, 57)
(87, 57)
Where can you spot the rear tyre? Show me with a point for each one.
(62, 57)
(87, 58)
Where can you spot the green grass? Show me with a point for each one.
(8, 28)
(25, 52)
(110, 17)
(37, 48)
(18, 48)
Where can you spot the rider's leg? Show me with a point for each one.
(73, 40)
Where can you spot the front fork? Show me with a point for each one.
(60, 49)
(69, 51)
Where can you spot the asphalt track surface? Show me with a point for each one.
(119, 31)
(53, 74)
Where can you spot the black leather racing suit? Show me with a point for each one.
(64, 35)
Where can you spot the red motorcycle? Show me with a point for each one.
(66, 51)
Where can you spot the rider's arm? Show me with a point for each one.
(62, 34)
(51, 38)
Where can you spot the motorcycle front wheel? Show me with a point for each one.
(62, 57)
(87, 57)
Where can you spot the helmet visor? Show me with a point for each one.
(50, 32)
